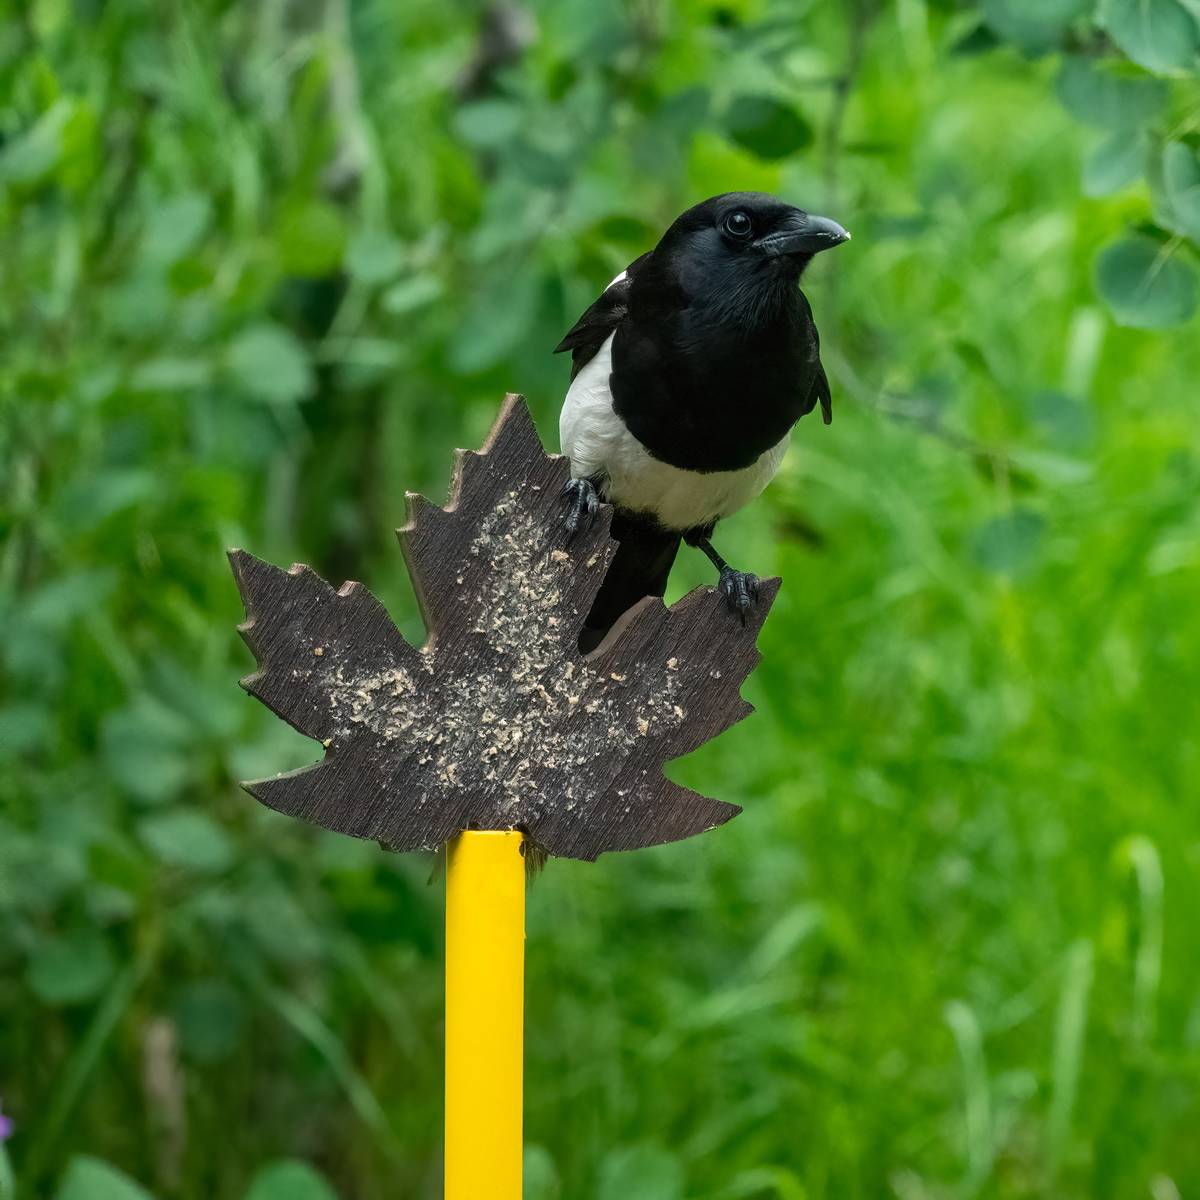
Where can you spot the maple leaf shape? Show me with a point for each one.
(498, 721)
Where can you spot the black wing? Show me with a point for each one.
(819, 393)
(818, 390)
(591, 331)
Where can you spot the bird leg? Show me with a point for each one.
(740, 588)
(583, 502)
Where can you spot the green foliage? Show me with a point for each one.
(1143, 287)
(264, 265)
(70, 969)
(642, 1172)
(90, 1179)
(1034, 25)
(1160, 35)
(766, 127)
(1181, 188)
(1099, 93)
(1114, 163)
(289, 1180)
(539, 1176)
(1139, 111)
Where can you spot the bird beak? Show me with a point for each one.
(804, 234)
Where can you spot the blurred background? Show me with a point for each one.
(265, 264)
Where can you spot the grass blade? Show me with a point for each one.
(1069, 1032)
(78, 1069)
(307, 1022)
(1140, 853)
(976, 1092)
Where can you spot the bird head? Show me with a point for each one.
(741, 237)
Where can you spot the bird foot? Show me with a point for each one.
(583, 503)
(740, 589)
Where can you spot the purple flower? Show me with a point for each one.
(6, 1127)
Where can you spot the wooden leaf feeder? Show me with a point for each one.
(494, 735)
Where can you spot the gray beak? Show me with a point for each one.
(804, 234)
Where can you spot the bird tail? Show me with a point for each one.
(643, 561)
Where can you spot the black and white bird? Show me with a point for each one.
(687, 376)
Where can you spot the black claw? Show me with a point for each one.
(582, 505)
(740, 589)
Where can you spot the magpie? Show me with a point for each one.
(687, 376)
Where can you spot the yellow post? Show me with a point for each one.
(485, 1003)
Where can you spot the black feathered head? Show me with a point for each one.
(759, 234)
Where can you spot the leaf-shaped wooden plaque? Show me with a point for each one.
(498, 721)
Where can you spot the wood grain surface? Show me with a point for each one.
(498, 721)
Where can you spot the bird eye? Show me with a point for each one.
(738, 225)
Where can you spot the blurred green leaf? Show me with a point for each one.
(23, 727)
(175, 225)
(1181, 182)
(767, 127)
(269, 362)
(1009, 544)
(32, 155)
(686, 110)
(170, 374)
(57, 602)
(91, 1179)
(1144, 285)
(280, 926)
(1064, 418)
(189, 839)
(1114, 163)
(311, 237)
(70, 969)
(199, 708)
(289, 1179)
(89, 502)
(642, 1172)
(1035, 25)
(374, 257)
(1160, 35)
(211, 1018)
(541, 1181)
(410, 294)
(768, 1183)
(488, 123)
(146, 749)
(495, 323)
(1097, 94)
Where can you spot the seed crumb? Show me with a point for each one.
(318, 650)
(560, 556)
(617, 678)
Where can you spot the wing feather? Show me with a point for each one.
(819, 393)
(595, 326)
(818, 389)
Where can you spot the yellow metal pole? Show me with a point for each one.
(485, 1008)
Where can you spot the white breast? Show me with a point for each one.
(599, 445)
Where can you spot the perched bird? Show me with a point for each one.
(687, 376)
